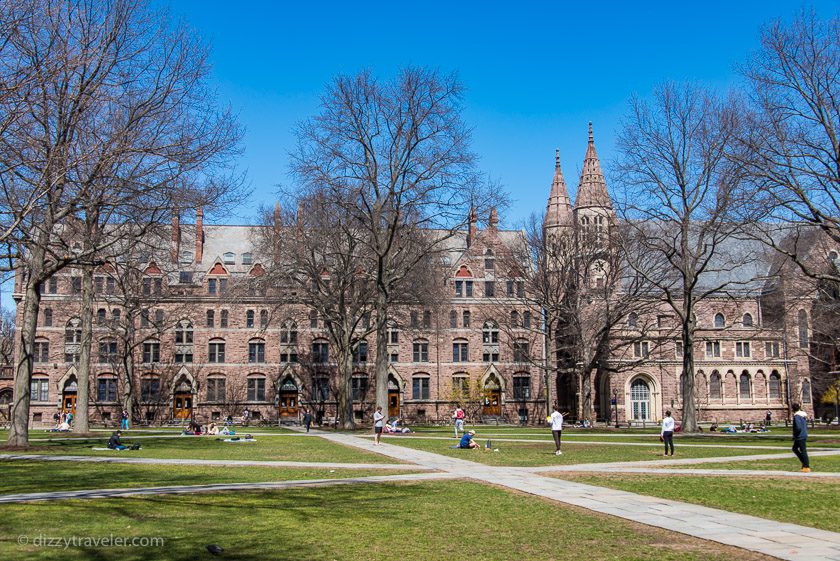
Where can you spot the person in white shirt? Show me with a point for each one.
(458, 415)
(556, 420)
(378, 424)
(667, 434)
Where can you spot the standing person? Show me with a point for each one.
(767, 418)
(57, 418)
(378, 422)
(307, 419)
(556, 420)
(667, 433)
(69, 418)
(245, 416)
(124, 423)
(800, 437)
(459, 420)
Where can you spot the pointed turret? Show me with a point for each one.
(558, 212)
(592, 190)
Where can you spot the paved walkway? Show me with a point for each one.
(778, 539)
(215, 487)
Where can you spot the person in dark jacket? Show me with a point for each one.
(307, 419)
(114, 443)
(800, 436)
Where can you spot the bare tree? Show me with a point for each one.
(677, 203)
(7, 338)
(117, 106)
(790, 146)
(397, 153)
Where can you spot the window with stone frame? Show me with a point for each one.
(715, 385)
(72, 340)
(48, 317)
(420, 350)
(106, 389)
(256, 351)
(641, 349)
(101, 317)
(771, 349)
(712, 349)
(460, 350)
(150, 389)
(41, 350)
(249, 319)
(223, 319)
(521, 351)
(39, 389)
(359, 387)
(465, 319)
(216, 388)
(108, 351)
(256, 389)
(774, 386)
(151, 352)
(211, 319)
(320, 352)
(744, 386)
(521, 387)
(360, 352)
(420, 386)
(742, 349)
(216, 351)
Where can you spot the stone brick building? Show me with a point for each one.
(203, 347)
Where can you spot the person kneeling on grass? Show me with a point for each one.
(468, 441)
(114, 443)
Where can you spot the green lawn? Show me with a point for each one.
(799, 501)
(279, 448)
(429, 521)
(818, 463)
(35, 476)
(542, 453)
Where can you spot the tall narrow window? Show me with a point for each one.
(466, 318)
(720, 321)
(802, 320)
(223, 323)
(48, 317)
(211, 318)
(263, 319)
(249, 318)
(744, 386)
(453, 319)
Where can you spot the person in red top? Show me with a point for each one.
(459, 420)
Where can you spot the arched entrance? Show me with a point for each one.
(492, 404)
(68, 396)
(288, 398)
(640, 404)
(393, 397)
(182, 400)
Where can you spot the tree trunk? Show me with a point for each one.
(82, 420)
(19, 428)
(128, 367)
(345, 392)
(550, 365)
(381, 362)
(689, 420)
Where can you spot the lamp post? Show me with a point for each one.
(615, 404)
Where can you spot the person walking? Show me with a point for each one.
(800, 437)
(307, 419)
(556, 420)
(667, 434)
(124, 422)
(378, 423)
(458, 415)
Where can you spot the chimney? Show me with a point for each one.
(199, 234)
(471, 228)
(493, 223)
(175, 247)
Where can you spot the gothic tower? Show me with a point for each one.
(558, 212)
(593, 207)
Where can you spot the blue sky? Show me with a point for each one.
(535, 73)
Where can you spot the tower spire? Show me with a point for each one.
(558, 212)
(592, 189)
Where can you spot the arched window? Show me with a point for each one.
(714, 385)
(490, 333)
(247, 258)
(719, 320)
(256, 351)
(521, 386)
(747, 320)
(115, 318)
(211, 318)
(216, 387)
(229, 258)
(263, 319)
(802, 320)
(101, 317)
(640, 400)
(48, 317)
(466, 318)
(744, 385)
(249, 318)
(420, 350)
(489, 260)
(806, 391)
(514, 319)
(526, 320)
(216, 350)
(420, 386)
(184, 332)
(106, 388)
(775, 386)
(460, 350)
(633, 320)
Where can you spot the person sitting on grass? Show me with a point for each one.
(114, 443)
(468, 441)
(212, 429)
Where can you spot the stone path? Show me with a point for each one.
(778, 539)
(215, 487)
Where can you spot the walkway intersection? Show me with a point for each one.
(777, 539)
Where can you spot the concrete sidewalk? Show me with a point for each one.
(778, 539)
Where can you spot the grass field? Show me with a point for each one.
(818, 463)
(36, 476)
(278, 448)
(542, 453)
(799, 501)
(432, 521)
